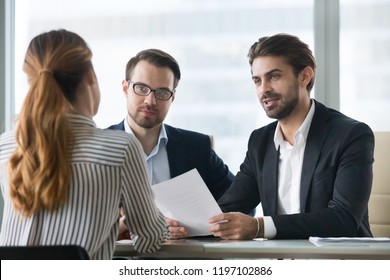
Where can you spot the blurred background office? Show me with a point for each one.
(210, 40)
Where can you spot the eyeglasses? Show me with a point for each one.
(144, 90)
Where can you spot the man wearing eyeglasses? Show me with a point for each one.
(149, 88)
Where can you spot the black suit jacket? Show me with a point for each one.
(187, 150)
(335, 184)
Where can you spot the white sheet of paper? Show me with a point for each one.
(187, 199)
(324, 240)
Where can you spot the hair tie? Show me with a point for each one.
(45, 70)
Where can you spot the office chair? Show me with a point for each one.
(54, 252)
(379, 204)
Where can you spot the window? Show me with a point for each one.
(365, 61)
(209, 38)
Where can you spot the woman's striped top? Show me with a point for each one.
(108, 171)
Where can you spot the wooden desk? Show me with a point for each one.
(270, 249)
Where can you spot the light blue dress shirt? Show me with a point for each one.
(157, 160)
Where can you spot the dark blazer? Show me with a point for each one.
(335, 184)
(187, 150)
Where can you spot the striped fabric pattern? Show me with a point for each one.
(108, 170)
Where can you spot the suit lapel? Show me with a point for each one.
(270, 176)
(175, 160)
(319, 129)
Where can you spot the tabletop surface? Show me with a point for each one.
(214, 248)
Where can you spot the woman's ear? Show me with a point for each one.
(91, 77)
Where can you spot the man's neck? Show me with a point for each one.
(148, 137)
(290, 125)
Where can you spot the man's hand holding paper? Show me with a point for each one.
(187, 203)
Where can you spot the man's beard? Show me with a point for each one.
(287, 105)
(146, 122)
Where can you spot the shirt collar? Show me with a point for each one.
(163, 135)
(303, 129)
(80, 120)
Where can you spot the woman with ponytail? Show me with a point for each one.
(63, 179)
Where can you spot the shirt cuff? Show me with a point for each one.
(269, 227)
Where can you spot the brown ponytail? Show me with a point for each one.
(40, 170)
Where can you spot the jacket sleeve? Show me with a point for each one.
(243, 195)
(145, 222)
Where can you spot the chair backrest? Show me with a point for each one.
(379, 204)
(60, 252)
(212, 141)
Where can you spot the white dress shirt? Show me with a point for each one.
(290, 171)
